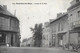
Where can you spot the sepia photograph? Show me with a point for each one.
(39, 26)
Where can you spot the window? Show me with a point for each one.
(62, 26)
(59, 27)
(78, 14)
(2, 39)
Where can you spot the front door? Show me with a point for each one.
(2, 39)
(12, 40)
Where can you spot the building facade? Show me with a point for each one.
(46, 36)
(74, 22)
(60, 30)
(9, 28)
(28, 42)
(66, 27)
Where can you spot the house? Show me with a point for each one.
(28, 42)
(66, 27)
(59, 28)
(74, 22)
(9, 28)
(46, 36)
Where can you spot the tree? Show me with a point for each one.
(37, 34)
(24, 40)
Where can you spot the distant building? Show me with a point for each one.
(9, 28)
(28, 43)
(46, 36)
(23, 43)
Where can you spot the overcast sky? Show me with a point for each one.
(29, 15)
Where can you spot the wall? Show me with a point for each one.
(4, 23)
(9, 23)
(60, 26)
(14, 24)
(46, 37)
(74, 38)
(65, 38)
(73, 15)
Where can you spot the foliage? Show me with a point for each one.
(37, 34)
(24, 40)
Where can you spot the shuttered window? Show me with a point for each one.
(78, 14)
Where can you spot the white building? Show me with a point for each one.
(28, 43)
(46, 37)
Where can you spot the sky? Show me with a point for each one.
(30, 14)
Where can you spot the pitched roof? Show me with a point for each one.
(6, 12)
(58, 18)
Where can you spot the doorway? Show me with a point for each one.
(12, 40)
(2, 39)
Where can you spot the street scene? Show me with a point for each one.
(50, 26)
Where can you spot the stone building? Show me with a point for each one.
(9, 28)
(74, 22)
(66, 27)
(60, 30)
(46, 36)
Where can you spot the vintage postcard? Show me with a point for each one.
(39, 26)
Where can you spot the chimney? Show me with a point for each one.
(5, 7)
(46, 24)
(59, 14)
(51, 20)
